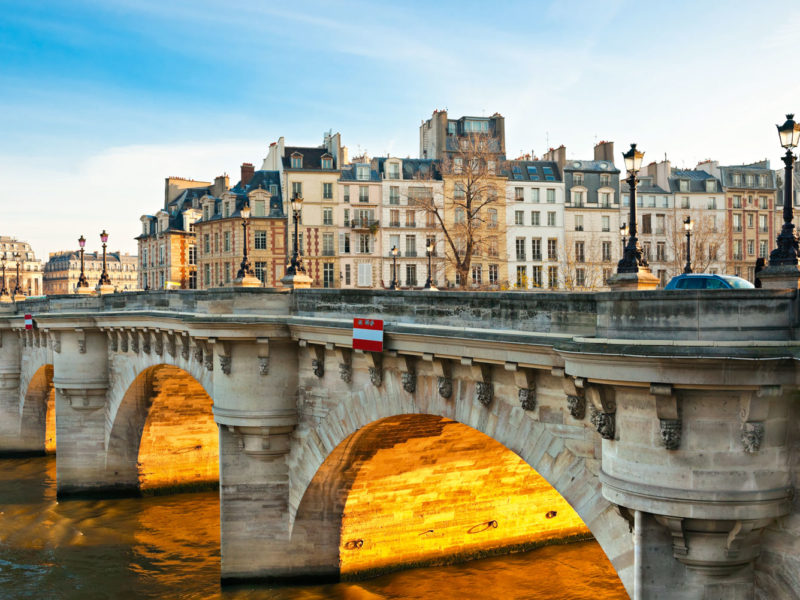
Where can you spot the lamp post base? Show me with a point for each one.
(431, 288)
(779, 277)
(106, 288)
(19, 297)
(248, 281)
(641, 280)
(6, 298)
(296, 281)
(84, 290)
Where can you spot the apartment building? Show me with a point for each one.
(358, 217)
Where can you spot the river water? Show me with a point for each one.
(167, 547)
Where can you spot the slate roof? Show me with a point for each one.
(260, 180)
(349, 173)
(601, 166)
(413, 168)
(532, 170)
(756, 169)
(697, 182)
(312, 157)
(645, 186)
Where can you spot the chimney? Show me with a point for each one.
(557, 155)
(248, 170)
(604, 151)
(221, 184)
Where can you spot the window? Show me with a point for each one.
(659, 224)
(548, 174)
(460, 215)
(344, 243)
(327, 163)
(347, 274)
(226, 241)
(394, 195)
(519, 194)
(411, 220)
(536, 249)
(605, 179)
(737, 222)
(535, 195)
(394, 218)
(346, 195)
(260, 269)
(551, 196)
(297, 161)
(737, 249)
(762, 201)
(347, 217)
(327, 191)
(606, 249)
(683, 185)
(300, 250)
(577, 198)
(762, 223)
(458, 190)
(762, 181)
(458, 165)
(737, 179)
(492, 212)
(737, 202)
(552, 249)
(520, 246)
(551, 219)
(477, 275)
(762, 248)
(522, 277)
(362, 172)
(579, 254)
(327, 275)
(712, 204)
(661, 251)
(394, 171)
(363, 193)
(206, 276)
(364, 243)
(750, 220)
(492, 248)
(430, 219)
(411, 275)
(493, 270)
(577, 179)
(193, 280)
(646, 224)
(227, 273)
(711, 185)
(411, 245)
(580, 277)
(578, 222)
(536, 276)
(751, 180)
(605, 199)
(552, 277)
(327, 216)
(519, 217)
(605, 223)
(751, 247)
(394, 242)
(327, 244)
(516, 173)
(535, 217)
(365, 274)
(297, 189)
(161, 253)
(192, 255)
(491, 166)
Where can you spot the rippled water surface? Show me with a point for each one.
(168, 547)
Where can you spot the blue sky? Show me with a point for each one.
(99, 101)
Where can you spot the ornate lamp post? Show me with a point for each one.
(295, 273)
(394, 269)
(83, 284)
(623, 231)
(687, 225)
(632, 257)
(787, 250)
(429, 252)
(246, 277)
(17, 289)
(3, 290)
(104, 278)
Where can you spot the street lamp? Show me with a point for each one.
(295, 266)
(3, 290)
(17, 289)
(787, 249)
(244, 268)
(82, 282)
(429, 252)
(104, 278)
(687, 225)
(632, 258)
(623, 231)
(394, 269)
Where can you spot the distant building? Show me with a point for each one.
(535, 221)
(63, 269)
(357, 216)
(219, 231)
(440, 137)
(15, 251)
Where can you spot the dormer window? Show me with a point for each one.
(273, 189)
(297, 161)
(711, 185)
(737, 179)
(327, 163)
(684, 185)
(362, 172)
(394, 171)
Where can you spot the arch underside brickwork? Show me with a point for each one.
(37, 411)
(557, 453)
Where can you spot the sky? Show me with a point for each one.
(100, 101)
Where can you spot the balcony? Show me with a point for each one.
(363, 224)
(394, 223)
(328, 252)
(411, 224)
(410, 254)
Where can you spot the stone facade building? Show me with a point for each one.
(357, 214)
(63, 270)
(440, 137)
(14, 251)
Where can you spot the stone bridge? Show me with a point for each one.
(668, 422)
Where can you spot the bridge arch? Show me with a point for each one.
(542, 447)
(163, 435)
(38, 410)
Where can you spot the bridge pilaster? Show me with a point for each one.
(80, 377)
(11, 440)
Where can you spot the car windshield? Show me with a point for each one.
(737, 282)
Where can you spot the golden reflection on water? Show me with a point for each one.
(168, 547)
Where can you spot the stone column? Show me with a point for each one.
(80, 376)
(11, 441)
(255, 407)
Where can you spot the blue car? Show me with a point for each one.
(707, 281)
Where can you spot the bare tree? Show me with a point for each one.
(473, 182)
(582, 270)
(707, 243)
